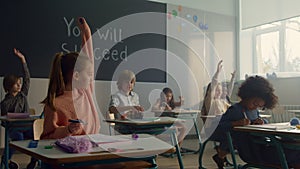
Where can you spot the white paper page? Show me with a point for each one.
(101, 138)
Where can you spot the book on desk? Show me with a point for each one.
(17, 115)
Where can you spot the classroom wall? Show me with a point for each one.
(199, 49)
(225, 7)
(287, 89)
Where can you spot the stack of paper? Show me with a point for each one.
(272, 126)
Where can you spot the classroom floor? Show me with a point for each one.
(190, 161)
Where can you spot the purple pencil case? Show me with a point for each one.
(74, 144)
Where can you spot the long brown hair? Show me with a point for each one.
(163, 94)
(60, 75)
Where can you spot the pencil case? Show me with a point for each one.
(74, 144)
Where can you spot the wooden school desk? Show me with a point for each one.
(146, 147)
(183, 114)
(272, 133)
(202, 145)
(153, 126)
(9, 123)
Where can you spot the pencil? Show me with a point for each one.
(245, 115)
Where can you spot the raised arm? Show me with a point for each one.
(86, 43)
(215, 79)
(231, 84)
(212, 89)
(86, 40)
(26, 74)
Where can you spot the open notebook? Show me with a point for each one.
(272, 126)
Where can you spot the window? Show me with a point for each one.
(292, 43)
(277, 47)
(267, 52)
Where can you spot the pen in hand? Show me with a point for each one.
(245, 115)
(77, 121)
(246, 121)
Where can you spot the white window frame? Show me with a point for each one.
(282, 36)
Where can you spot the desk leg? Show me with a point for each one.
(45, 166)
(153, 162)
(197, 133)
(4, 160)
(194, 118)
(201, 152)
(174, 137)
(281, 154)
(235, 166)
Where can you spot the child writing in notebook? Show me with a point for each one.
(166, 101)
(255, 93)
(15, 101)
(125, 104)
(70, 92)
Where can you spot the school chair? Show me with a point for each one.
(32, 111)
(111, 126)
(38, 128)
(201, 152)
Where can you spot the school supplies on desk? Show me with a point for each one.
(74, 144)
(77, 121)
(147, 119)
(33, 144)
(17, 115)
(272, 126)
(102, 139)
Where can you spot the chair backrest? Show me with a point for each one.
(38, 128)
(31, 111)
(110, 116)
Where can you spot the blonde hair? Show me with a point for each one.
(125, 76)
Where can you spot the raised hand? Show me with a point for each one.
(220, 66)
(87, 45)
(20, 55)
(233, 74)
(181, 100)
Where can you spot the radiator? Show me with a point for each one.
(280, 113)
